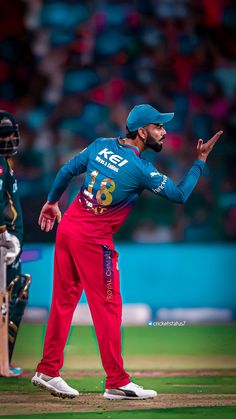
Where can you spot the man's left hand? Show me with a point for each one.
(204, 149)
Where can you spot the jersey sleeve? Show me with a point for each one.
(2, 221)
(162, 185)
(3, 175)
(73, 167)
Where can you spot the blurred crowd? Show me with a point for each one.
(71, 70)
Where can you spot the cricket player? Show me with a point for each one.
(11, 230)
(85, 257)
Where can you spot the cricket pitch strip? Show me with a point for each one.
(23, 404)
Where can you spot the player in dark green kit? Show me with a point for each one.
(11, 230)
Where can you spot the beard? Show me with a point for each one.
(151, 143)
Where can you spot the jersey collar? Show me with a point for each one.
(132, 147)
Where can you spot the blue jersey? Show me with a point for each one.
(116, 175)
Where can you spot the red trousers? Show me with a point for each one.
(93, 268)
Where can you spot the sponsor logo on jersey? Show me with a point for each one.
(1, 171)
(161, 186)
(111, 160)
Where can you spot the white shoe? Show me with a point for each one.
(130, 391)
(55, 385)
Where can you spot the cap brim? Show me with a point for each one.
(162, 118)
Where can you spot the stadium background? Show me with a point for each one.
(70, 72)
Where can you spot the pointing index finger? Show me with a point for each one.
(215, 137)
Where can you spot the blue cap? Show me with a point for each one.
(142, 115)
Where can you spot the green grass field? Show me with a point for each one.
(173, 385)
(179, 413)
(144, 348)
(185, 351)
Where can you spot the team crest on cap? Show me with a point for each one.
(6, 122)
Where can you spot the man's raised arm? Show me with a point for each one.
(165, 187)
